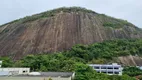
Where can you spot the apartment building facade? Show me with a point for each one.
(110, 69)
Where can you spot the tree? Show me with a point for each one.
(6, 62)
(84, 72)
(132, 71)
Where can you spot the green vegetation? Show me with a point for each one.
(123, 77)
(6, 62)
(84, 72)
(118, 24)
(115, 23)
(124, 22)
(132, 71)
(50, 79)
(112, 22)
(80, 55)
(109, 24)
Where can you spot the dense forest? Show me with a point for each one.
(77, 58)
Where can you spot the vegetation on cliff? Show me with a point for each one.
(80, 55)
(51, 13)
(94, 53)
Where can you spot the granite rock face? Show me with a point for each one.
(60, 32)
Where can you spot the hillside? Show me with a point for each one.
(124, 52)
(60, 29)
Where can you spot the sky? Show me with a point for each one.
(130, 10)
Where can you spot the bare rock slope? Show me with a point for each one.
(59, 30)
(130, 60)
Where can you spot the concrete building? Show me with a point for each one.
(42, 76)
(140, 67)
(15, 71)
(25, 74)
(0, 64)
(110, 69)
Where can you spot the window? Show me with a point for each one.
(103, 67)
(24, 71)
(110, 68)
(96, 67)
(116, 72)
(116, 68)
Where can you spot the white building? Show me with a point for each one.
(0, 64)
(110, 69)
(42, 76)
(15, 71)
(140, 67)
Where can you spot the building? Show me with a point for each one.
(42, 76)
(14, 71)
(0, 64)
(110, 69)
(140, 67)
(25, 74)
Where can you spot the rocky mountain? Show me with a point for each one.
(60, 29)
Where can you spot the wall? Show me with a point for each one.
(16, 71)
(32, 78)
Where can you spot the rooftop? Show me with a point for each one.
(48, 74)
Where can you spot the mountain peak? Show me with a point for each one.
(59, 29)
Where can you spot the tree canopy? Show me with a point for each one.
(76, 59)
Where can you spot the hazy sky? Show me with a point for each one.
(130, 10)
